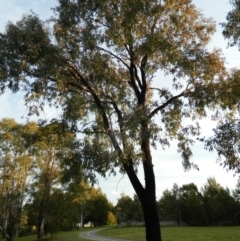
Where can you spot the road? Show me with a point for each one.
(93, 236)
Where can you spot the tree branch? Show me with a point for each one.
(155, 111)
(120, 121)
(133, 83)
(137, 77)
(112, 54)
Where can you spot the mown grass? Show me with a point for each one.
(138, 234)
(178, 233)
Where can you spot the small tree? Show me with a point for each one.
(99, 207)
(125, 209)
(81, 193)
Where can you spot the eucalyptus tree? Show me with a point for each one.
(127, 74)
(52, 144)
(15, 166)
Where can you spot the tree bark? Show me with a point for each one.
(147, 197)
(150, 212)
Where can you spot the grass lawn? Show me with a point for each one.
(60, 236)
(179, 233)
(168, 234)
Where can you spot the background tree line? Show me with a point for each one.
(186, 205)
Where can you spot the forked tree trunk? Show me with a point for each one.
(147, 194)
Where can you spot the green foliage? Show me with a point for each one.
(129, 210)
(167, 206)
(231, 28)
(220, 206)
(99, 208)
(191, 206)
(52, 144)
(226, 142)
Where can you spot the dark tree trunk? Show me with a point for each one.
(13, 222)
(147, 197)
(151, 220)
(150, 213)
(10, 234)
(10, 238)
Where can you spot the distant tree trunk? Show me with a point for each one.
(40, 224)
(82, 215)
(81, 221)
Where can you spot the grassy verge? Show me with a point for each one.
(178, 233)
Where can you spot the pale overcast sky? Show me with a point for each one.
(168, 168)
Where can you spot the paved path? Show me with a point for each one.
(93, 236)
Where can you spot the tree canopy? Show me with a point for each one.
(108, 63)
